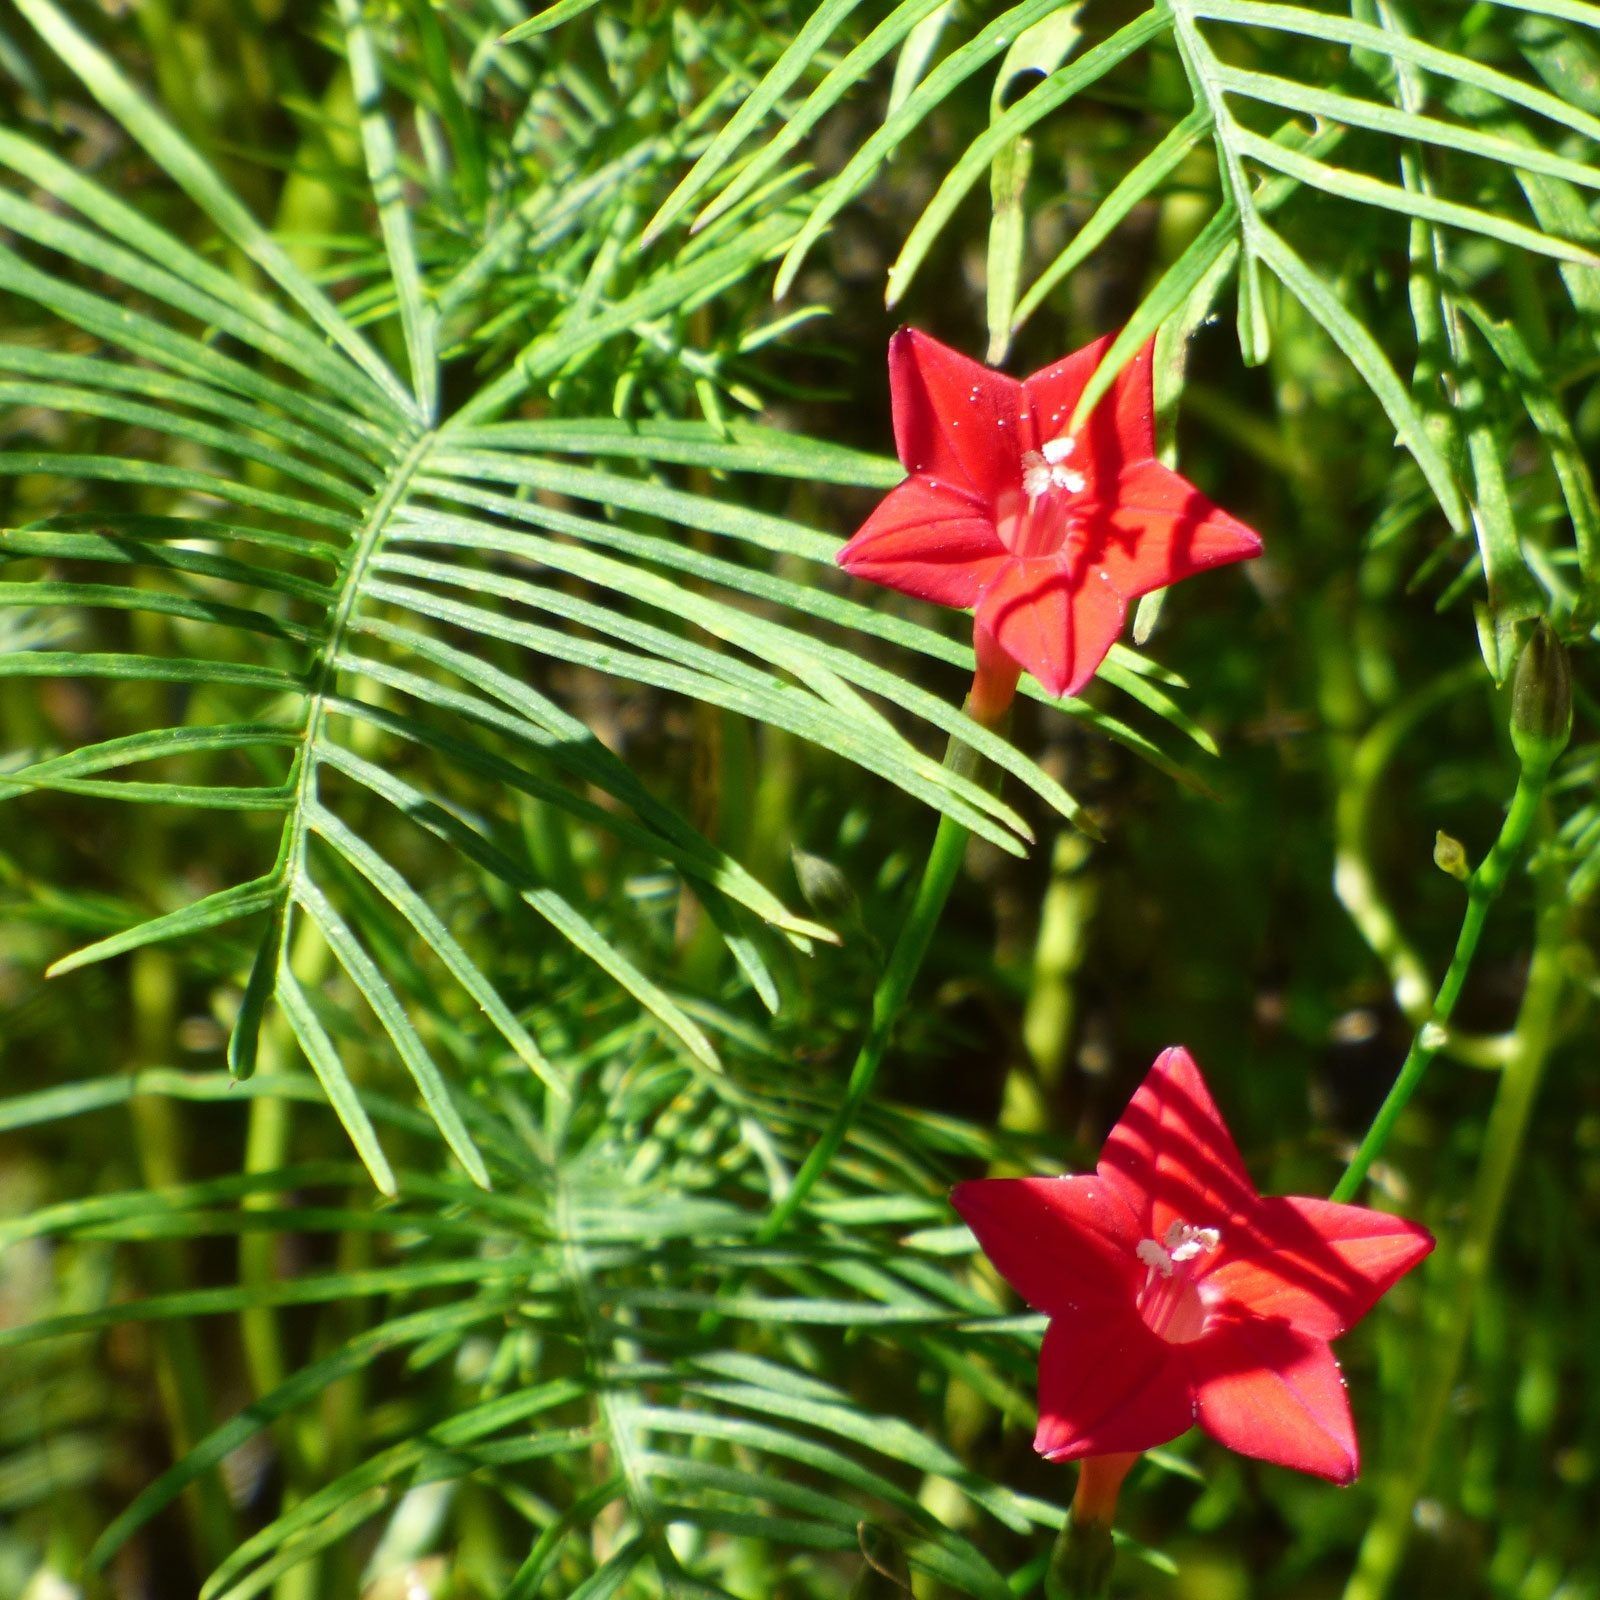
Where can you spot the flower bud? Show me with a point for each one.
(826, 889)
(1450, 855)
(1541, 700)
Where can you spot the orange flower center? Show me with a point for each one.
(1170, 1301)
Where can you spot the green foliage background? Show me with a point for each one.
(466, 812)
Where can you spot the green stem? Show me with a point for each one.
(1082, 1561)
(888, 1000)
(1085, 1551)
(1483, 888)
(1534, 1036)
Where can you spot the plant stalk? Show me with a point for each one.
(1483, 889)
(888, 998)
(1085, 1553)
(1534, 1036)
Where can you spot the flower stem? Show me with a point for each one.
(1454, 1294)
(888, 999)
(1483, 889)
(1085, 1552)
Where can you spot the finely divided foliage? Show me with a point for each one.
(381, 502)
(343, 611)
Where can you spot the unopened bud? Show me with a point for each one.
(826, 889)
(1450, 855)
(1541, 700)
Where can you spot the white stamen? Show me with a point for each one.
(1184, 1243)
(1042, 470)
(1154, 1257)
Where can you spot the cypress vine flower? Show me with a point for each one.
(1177, 1294)
(1047, 534)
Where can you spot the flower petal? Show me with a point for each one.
(928, 540)
(1059, 1242)
(1055, 626)
(1107, 1383)
(954, 419)
(1172, 1158)
(1119, 431)
(1318, 1265)
(1275, 1394)
(1154, 527)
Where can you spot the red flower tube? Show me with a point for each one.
(1048, 535)
(1177, 1294)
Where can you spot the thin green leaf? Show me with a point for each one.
(244, 1037)
(1140, 181)
(394, 218)
(797, 55)
(1400, 46)
(156, 602)
(975, 160)
(226, 905)
(584, 936)
(958, 66)
(129, 549)
(797, 711)
(1357, 186)
(739, 447)
(1215, 242)
(309, 1382)
(175, 156)
(154, 744)
(1368, 358)
(144, 336)
(906, 17)
(151, 474)
(562, 916)
(153, 384)
(802, 653)
(420, 917)
(148, 669)
(1403, 124)
(551, 17)
(1566, 457)
(374, 987)
(163, 264)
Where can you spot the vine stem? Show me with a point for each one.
(1483, 889)
(1534, 1037)
(1085, 1553)
(888, 998)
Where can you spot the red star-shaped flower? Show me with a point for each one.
(1047, 534)
(1176, 1294)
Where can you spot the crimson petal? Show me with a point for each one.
(954, 419)
(1121, 428)
(1108, 1384)
(1320, 1266)
(1055, 626)
(1269, 1392)
(928, 540)
(1059, 1242)
(1154, 527)
(1172, 1158)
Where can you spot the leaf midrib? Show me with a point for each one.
(365, 547)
